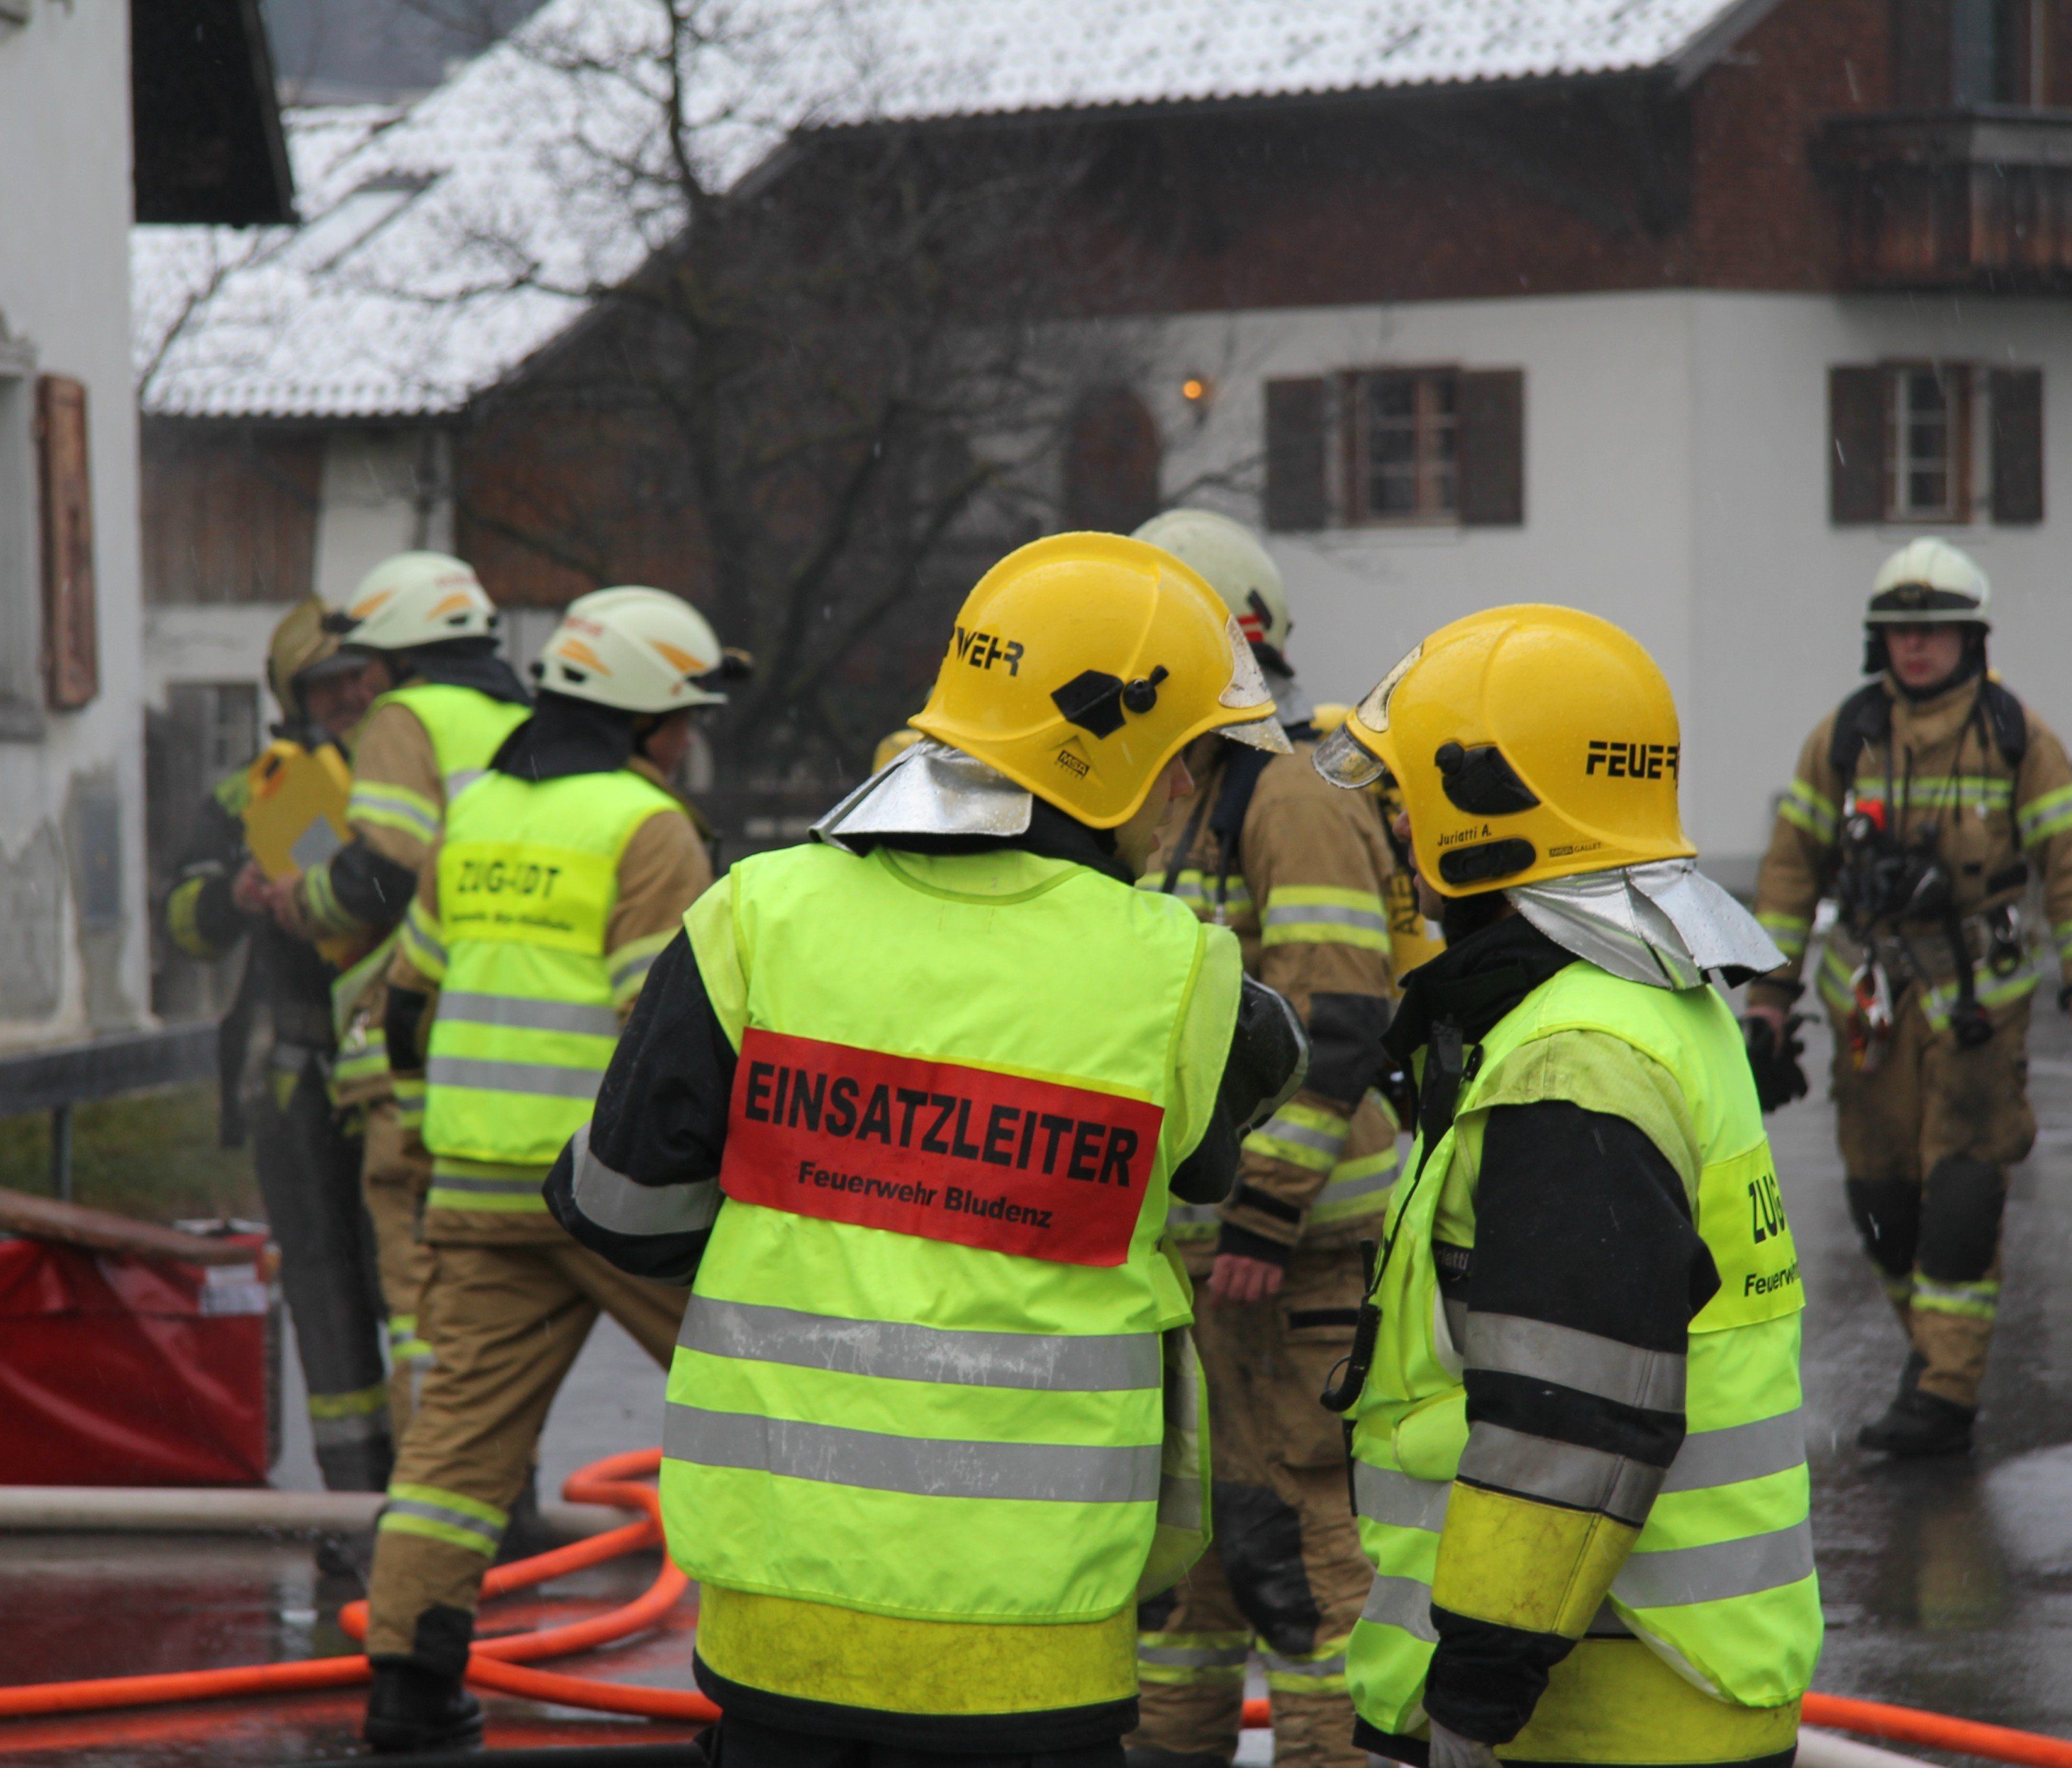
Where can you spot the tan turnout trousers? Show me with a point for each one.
(393, 1180)
(1926, 1139)
(505, 1322)
(1284, 1576)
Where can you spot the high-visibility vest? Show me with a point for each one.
(466, 727)
(527, 1019)
(1720, 1582)
(929, 1400)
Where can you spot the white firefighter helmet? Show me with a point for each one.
(1928, 581)
(417, 598)
(638, 649)
(1228, 556)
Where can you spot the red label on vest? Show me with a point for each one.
(937, 1149)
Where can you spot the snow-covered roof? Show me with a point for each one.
(443, 244)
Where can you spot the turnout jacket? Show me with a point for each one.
(1299, 871)
(283, 997)
(661, 869)
(1945, 763)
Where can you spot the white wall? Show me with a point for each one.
(385, 491)
(1675, 482)
(71, 797)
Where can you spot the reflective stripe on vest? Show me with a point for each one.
(527, 876)
(932, 1314)
(1720, 1582)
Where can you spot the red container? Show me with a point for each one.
(120, 1370)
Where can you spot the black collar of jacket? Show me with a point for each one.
(1051, 835)
(1473, 984)
(565, 736)
(466, 663)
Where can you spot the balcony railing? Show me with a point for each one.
(1977, 199)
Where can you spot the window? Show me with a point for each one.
(223, 720)
(1404, 445)
(1963, 54)
(1413, 446)
(1934, 442)
(1927, 440)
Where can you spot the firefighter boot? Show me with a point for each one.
(417, 1702)
(1917, 1423)
(410, 1708)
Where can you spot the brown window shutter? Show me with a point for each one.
(1492, 447)
(1856, 446)
(1296, 499)
(2015, 400)
(72, 671)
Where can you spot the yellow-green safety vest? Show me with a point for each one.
(1720, 1582)
(931, 1405)
(466, 727)
(527, 1012)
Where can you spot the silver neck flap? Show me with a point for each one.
(928, 788)
(1665, 924)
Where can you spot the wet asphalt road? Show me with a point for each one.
(1948, 1585)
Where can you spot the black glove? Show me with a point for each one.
(1778, 1078)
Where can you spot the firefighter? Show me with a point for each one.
(448, 700)
(560, 872)
(1299, 871)
(276, 1053)
(932, 1426)
(1578, 1461)
(1924, 806)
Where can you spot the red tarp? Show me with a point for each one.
(118, 1370)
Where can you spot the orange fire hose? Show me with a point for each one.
(619, 1480)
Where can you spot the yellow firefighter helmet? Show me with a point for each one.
(1081, 665)
(1529, 743)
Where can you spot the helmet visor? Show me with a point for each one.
(1342, 759)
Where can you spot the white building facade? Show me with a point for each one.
(73, 956)
(1676, 458)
